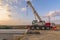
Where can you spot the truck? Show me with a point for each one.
(38, 23)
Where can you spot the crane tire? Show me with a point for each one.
(42, 28)
(47, 28)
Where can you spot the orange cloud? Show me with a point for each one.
(4, 12)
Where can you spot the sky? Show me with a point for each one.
(16, 12)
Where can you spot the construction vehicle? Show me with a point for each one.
(39, 24)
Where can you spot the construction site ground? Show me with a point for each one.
(44, 35)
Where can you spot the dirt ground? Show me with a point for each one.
(44, 35)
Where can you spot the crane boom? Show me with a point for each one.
(34, 11)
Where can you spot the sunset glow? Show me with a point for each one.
(4, 14)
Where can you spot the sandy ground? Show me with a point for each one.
(45, 35)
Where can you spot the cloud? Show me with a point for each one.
(54, 13)
(12, 7)
(12, 1)
(4, 11)
(7, 7)
(23, 9)
(28, 0)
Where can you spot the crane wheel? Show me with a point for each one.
(32, 28)
(47, 28)
(35, 28)
(43, 28)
